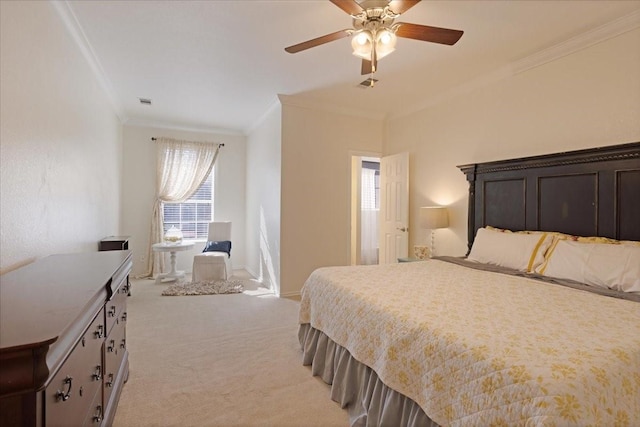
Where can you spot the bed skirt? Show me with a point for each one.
(357, 387)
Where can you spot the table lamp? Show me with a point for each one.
(432, 218)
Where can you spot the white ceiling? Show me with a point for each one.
(219, 65)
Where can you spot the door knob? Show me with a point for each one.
(403, 229)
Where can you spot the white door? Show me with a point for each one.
(394, 208)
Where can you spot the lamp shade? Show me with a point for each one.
(385, 43)
(362, 43)
(433, 217)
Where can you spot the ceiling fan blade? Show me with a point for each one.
(428, 34)
(366, 67)
(317, 41)
(401, 6)
(349, 6)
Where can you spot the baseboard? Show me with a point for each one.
(292, 295)
(253, 273)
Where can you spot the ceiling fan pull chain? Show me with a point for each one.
(374, 55)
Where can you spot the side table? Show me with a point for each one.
(171, 248)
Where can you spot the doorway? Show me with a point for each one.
(365, 209)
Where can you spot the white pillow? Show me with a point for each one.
(520, 251)
(614, 266)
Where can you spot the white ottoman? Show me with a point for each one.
(211, 266)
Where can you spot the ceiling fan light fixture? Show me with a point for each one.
(384, 37)
(385, 42)
(362, 42)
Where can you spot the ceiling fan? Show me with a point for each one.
(374, 32)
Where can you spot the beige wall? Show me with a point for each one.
(67, 181)
(139, 176)
(587, 99)
(61, 143)
(263, 199)
(316, 185)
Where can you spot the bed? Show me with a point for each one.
(539, 325)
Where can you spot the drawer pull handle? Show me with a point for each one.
(123, 344)
(112, 311)
(64, 396)
(124, 316)
(111, 347)
(98, 416)
(99, 333)
(109, 383)
(98, 374)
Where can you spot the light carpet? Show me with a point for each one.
(219, 360)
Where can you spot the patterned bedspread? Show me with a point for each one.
(480, 348)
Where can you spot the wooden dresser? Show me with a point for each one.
(63, 353)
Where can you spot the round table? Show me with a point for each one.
(172, 248)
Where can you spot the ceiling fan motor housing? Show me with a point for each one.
(375, 13)
(373, 4)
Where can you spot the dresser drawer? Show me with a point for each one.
(115, 306)
(95, 415)
(123, 288)
(69, 394)
(115, 351)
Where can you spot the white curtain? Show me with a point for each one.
(368, 219)
(182, 166)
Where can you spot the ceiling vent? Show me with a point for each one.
(145, 101)
(370, 82)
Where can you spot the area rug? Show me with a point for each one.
(204, 288)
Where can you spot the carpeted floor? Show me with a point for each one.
(219, 360)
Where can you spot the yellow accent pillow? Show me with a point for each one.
(593, 239)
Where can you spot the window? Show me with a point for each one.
(193, 216)
(370, 193)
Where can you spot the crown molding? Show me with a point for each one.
(180, 127)
(462, 89)
(597, 35)
(314, 104)
(76, 32)
(592, 37)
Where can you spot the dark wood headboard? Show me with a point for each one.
(593, 192)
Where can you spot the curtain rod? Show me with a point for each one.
(153, 138)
